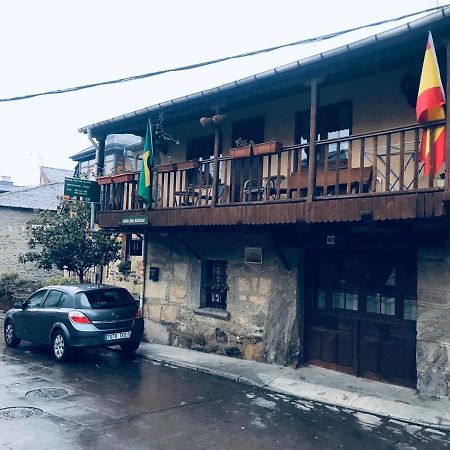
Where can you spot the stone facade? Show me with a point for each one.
(132, 280)
(14, 238)
(260, 322)
(433, 322)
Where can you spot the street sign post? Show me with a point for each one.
(84, 190)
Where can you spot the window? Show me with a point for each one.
(133, 246)
(201, 148)
(52, 299)
(251, 129)
(105, 298)
(333, 121)
(36, 299)
(65, 301)
(372, 285)
(216, 284)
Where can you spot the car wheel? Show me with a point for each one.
(10, 335)
(60, 347)
(130, 347)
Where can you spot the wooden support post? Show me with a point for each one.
(312, 143)
(100, 156)
(217, 145)
(447, 125)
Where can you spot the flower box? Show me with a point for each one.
(240, 152)
(123, 177)
(169, 167)
(192, 164)
(267, 148)
(106, 179)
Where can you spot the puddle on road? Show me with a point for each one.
(263, 403)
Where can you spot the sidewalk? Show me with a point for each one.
(311, 383)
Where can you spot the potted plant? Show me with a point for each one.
(124, 267)
(217, 287)
(242, 149)
(122, 176)
(104, 179)
(267, 148)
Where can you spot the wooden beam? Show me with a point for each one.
(100, 156)
(217, 145)
(186, 245)
(312, 142)
(282, 257)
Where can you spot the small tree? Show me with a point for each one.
(64, 240)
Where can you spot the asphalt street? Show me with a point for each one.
(103, 400)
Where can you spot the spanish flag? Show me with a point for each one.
(430, 102)
(145, 179)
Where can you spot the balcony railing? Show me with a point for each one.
(367, 164)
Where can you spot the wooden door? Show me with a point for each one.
(361, 314)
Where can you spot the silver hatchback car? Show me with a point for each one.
(76, 316)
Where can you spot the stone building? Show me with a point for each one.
(17, 208)
(294, 223)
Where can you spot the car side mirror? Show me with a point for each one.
(19, 305)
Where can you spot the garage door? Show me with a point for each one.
(361, 315)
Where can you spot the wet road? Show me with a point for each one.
(103, 400)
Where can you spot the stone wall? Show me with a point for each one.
(261, 318)
(132, 280)
(433, 323)
(14, 238)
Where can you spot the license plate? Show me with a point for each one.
(114, 336)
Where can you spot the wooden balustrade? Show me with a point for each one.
(366, 164)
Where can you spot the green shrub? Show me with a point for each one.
(9, 281)
(124, 267)
(61, 280)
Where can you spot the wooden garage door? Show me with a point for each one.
(361, 314)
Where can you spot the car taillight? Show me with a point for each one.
(138, 314)
(78, 317)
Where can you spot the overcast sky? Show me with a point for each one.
(50, 44)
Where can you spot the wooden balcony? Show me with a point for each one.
(375, 175)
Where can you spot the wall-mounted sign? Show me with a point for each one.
(253, 255)
(82, 190)
(134, 220)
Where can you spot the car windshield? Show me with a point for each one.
(105, 298)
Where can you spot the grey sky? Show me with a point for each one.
(54, 44)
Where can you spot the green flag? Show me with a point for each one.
(145, 179)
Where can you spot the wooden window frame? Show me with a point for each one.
(400, 290)
(208, 282)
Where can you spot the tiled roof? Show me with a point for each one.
(55, 175)
(38, 197)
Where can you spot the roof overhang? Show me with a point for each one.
(387, 50)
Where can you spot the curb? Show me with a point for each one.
(267, 387)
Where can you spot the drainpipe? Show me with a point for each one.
(100, 163)
(94, 144)
(144, 266)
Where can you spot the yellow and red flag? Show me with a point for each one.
(430, 102)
